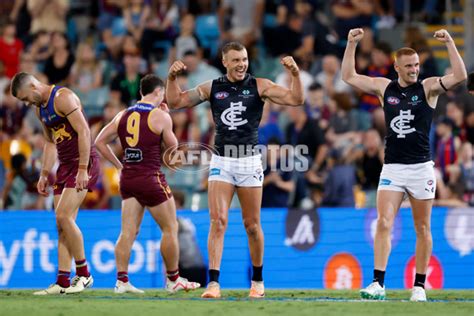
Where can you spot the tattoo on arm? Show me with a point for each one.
(194, 96)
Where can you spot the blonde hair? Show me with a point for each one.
(404, 51)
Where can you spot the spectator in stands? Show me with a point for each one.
(385, 11)
(58, 66)
(470, 83)
(186, 41)
(191, 260)
(136, 14)
(268, 128)
(277, 184)
(29, 65)
(41, 48)
(340, 181)
(462, 173)
(109, 25)
(292, 32)
(351, 14)
(48, 15)
(124, 87)
(330, 76)
(10, 50)
(4, 82)
(160, 25)
(381, 66)
(184, 126)
(447, 146)
(316, 107)
(343, 123)
(12, 113)
(86, 73)
(428, 64)
(198, 70)
(455, 112)
(245, 22)
(369, 160)
(20, 188)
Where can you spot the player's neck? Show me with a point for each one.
(403, 83)
(150, 100)
(45, 91)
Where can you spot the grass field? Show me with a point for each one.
(233, 302)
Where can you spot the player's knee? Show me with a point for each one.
(423, 230)
(219, 224)
(170, 228)
(384, 223)
(62, 220)
(252, 227)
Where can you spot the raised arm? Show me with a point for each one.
(350, 76)
(434, 86)
(69, 105)
(176, 98)
(293, 96)
(105, 137)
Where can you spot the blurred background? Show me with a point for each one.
(101, 49)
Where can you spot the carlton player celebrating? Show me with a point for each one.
(408, 105)
(237, 101)
(65, 129)
(142, 129)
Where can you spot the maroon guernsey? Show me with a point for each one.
(141, 177)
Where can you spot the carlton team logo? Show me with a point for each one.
(434, 274)
(343, 271)
(221, 95)
(393, 100)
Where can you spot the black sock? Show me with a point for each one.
(214, 275)
(257, 273)
(379, 276)
(420, 280)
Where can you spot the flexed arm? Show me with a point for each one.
(350, 76)
(176, 98)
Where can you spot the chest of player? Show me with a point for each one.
(406, 105)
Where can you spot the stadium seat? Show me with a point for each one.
(207, 30)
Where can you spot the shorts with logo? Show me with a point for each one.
(418, 180)
(66, 175)
(150, 189)
(240, 172)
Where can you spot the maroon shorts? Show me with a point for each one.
(66, 175)
(149, 190)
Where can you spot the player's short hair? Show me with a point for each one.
(149, 83)
(232, 46)
(470, 82)
(404, 51)
(18, 81)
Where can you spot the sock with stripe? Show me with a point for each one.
(63, 278)
(172, 275)
(420, 280)
(122, 276)
(81, 268)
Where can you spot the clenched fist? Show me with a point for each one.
(289, 63)
(442, 36)
(355, 35)
(176, 68)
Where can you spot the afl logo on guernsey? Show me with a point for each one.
(393, 100)
(221, 95)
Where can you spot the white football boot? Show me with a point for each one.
(180, 284)
(126, 287)
(373, 292)
(418, 294)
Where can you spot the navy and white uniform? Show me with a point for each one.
(237, 110)
(408, 166)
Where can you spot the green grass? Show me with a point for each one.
(234, 302)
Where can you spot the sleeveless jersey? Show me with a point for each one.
(62, 132)
(408, 120)
(237, 110)
(142, 147)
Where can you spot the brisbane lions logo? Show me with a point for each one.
(59, 134)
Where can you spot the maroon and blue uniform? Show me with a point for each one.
(66, 140)
(141, 177)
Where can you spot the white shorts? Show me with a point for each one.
(418, 180)
(241, 172)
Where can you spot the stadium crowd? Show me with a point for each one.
(101, 50)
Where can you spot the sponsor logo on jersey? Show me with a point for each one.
(400, 124)
(393, 100)
(343, 271)
(414, 100)
(302, 229)
(221, 95)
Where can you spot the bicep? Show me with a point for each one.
(195, 96)
(369, 84)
